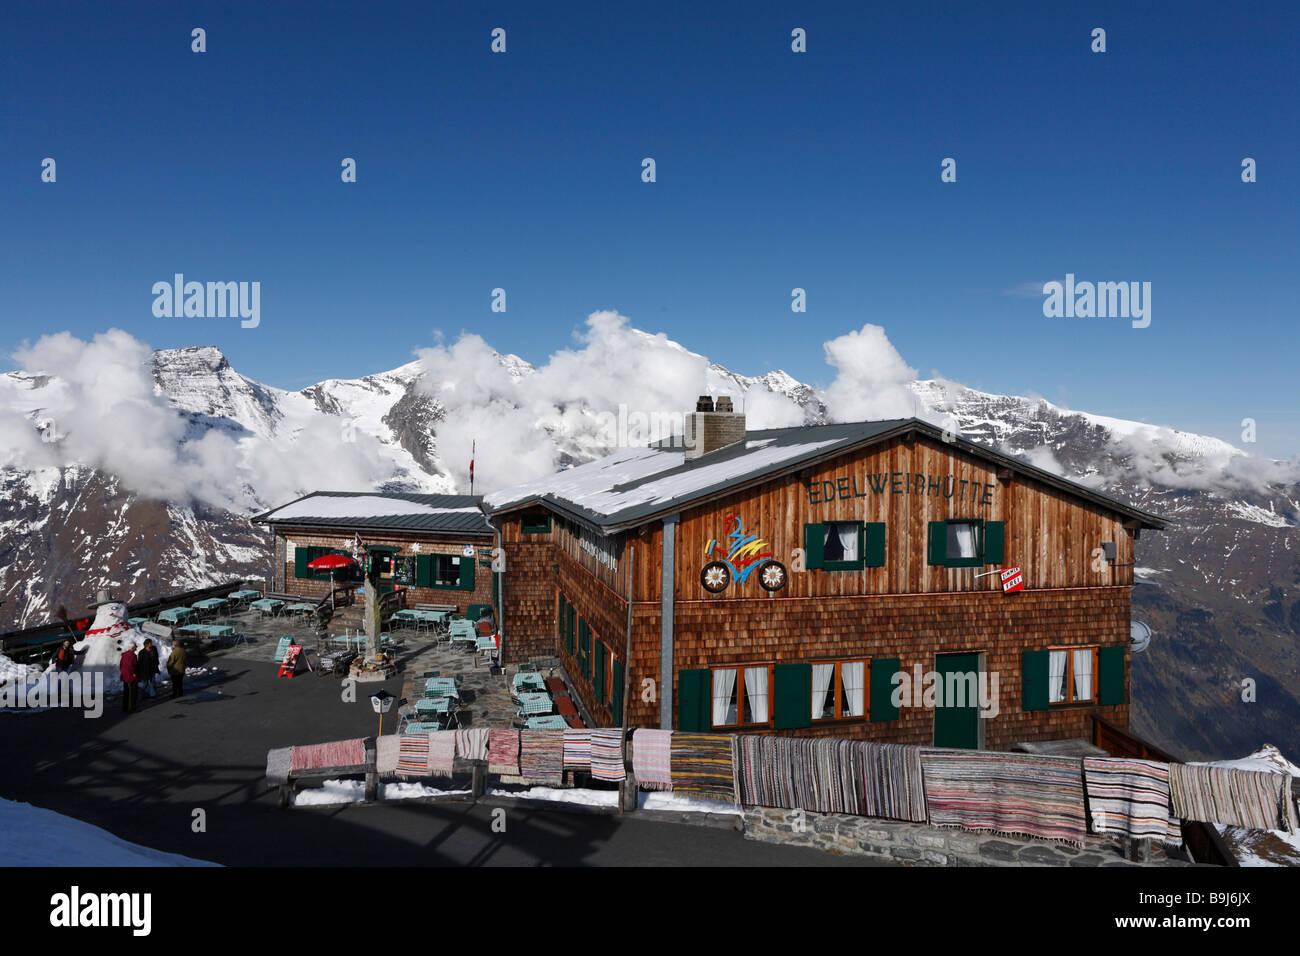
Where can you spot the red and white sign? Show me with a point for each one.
(1012, 580)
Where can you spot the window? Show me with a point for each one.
(742, 696)
(1072, 675)
(844, 545)
(839, 690)
(444, 571)
(535, 522)
(966, 542)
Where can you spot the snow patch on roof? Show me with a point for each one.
(358, 506)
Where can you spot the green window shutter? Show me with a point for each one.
(301, 556)
(598, 667)
(812, 548)
(792, 696)
(616, 692)
(584, 647)
(994, 538)
(424, 570)
(874, 548)
(938, 542)
(1110, 665)
(467, 574)
(883, 670)
(1034, 679)
(693, 692)
(569, 628)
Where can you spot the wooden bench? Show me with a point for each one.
(290, 784)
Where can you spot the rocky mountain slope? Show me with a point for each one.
(1219, 588)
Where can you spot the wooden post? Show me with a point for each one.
(627, 672)
(372, 770)
(478, 784)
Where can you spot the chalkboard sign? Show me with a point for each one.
(404, 570)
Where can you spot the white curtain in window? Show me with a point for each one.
(756, 693)
(724, 697)
(849, 541)
(822, 674)
(961, 540)
(852, 674)
(1056, 682)
(1083, 674)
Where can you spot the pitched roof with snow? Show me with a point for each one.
(377, 511)
(633, 486)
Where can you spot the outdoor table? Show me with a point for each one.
(174, 615)
(301, 607)
(463, 638)
(486, 644)
(219, 630)
(193, 629)
(211, 604)
(441, 687)
(432, 705)
(139, 621)
(534, 705)
(532, 680)
(550, 722)
(267, 605)
(247, 595)
(421, 727)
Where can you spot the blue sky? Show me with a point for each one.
(775, 170)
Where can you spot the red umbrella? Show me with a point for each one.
(330, 563)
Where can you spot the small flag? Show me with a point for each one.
(473, 449)
(1012, 580)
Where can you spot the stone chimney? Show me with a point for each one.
(712, 426)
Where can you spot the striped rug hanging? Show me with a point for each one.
(336, 753)
(652, 759)
(607, 755)
(413, 755)
(892, 783)
(503, 752)
(442, 752)
(472, 744)
(1128, 797)
(704, 765)
(541, 756)
(1241, 798)
(1006, 793)
(577, 749)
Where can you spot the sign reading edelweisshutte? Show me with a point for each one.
(901, 483)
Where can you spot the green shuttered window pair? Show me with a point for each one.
(791, 695)
(1036, 678)
(844, 545)
(443, 572)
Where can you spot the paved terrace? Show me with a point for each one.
(142, 776)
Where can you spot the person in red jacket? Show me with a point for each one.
(65, 656)
(130, 679)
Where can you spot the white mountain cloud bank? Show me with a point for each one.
(620, 386)
(100, 409)
(615, 386)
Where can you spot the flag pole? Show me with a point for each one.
(473, 450)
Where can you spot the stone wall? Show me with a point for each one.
(918, 844)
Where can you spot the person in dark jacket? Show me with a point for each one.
(176, 669)
(65, 656)
(146, 665)
(130, 677)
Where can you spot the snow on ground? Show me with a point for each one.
(589, 798)
(1267, 759)
(32, 836)
(333, 793)
(662, 800)
(1257, 514)
(10, 671)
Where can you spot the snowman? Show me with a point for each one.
(110, 635)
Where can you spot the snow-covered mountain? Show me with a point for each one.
(1219, 588)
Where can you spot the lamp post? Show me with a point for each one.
(382, 702)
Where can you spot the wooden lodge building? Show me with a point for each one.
(437, 546)
(778, 580)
